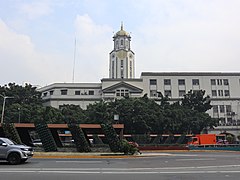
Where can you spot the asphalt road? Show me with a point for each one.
(150, 166)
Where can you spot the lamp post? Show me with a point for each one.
(3, 107)
(19, 116)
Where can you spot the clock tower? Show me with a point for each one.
(122, 58)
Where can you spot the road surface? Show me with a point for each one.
(150, 166)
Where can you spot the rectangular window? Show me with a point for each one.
(122, 73)
(214, 93)
(45, 94)
(51, 92)
(126, 93)
(181, 82)
(220, 92)
(91, 93)
(64, 92)
(167, 81)
(229, 121)
(225, 82)
(221, 107)
(226, 93)
(213, 82)
(219, 81)
(182, 93)
(121, 63)
(153, 93)
(122, 92)
(112, 69)
(195, 82)
(228, 109)
(168, 93)
(77, 92)
(153, 82)
(215, 109)
(130, 69)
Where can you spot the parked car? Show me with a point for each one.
(37, 142)
(14, 153)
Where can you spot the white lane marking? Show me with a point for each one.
(187, 155)
(167, 154)
(83, 162)
(115, 169)
(202, 159)
(156, 154)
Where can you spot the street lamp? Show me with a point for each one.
(116, 118)
(3, 107)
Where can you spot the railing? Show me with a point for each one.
(229, 124)
(216, 146)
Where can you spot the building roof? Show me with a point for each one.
(70, 86)
(190, 74)
(122, 84)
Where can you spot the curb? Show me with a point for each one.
(53, 155)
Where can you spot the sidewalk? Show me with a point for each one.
(76, 155)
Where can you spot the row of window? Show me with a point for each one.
(65, 92)
(219, 82)
(181, 93)
(168, 82)
(154, 93)
(122, 68)
(194, 82)
(84, 92)
(222, 109)
(220, 93)
(121, 42)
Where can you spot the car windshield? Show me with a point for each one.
(8, 141)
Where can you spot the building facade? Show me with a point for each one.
(223, 88)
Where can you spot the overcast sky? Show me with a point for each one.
(37, 37)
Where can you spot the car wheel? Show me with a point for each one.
(14, 158)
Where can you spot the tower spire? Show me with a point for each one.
(121, 25)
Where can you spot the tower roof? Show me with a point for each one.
(122, 32)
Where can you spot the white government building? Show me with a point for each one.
(223, 88)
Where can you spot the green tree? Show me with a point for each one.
(25, 106)
(99, 112)
(73, 112)
(195, 100)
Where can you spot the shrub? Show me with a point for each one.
(46, 137)
(11, 132)
(129, 147)
(112, 138)
(79, 138)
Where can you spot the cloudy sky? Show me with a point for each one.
(37, 37)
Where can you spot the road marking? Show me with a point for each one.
(117, 172)
(80, 162)
(114, 169)
(202, 159)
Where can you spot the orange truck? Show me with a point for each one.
(203, 139)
